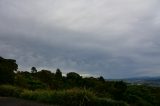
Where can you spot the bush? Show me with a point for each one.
(9, 90)
(38, 95)
(71, 97)
(78, 97)
(107, 102)
(75, 97)
(139, 95)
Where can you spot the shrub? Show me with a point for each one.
(9, 90)
(78, 97)
(107, 102)
(38, 95)
(71, 97)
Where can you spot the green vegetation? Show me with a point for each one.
(72, 90)
(70, 97)
(7, 68)
(9, 90)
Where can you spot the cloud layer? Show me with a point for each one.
(113, 38)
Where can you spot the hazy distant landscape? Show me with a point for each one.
(150, 81)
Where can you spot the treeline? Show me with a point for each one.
(88, 91)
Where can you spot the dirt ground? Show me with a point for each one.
(7, 101)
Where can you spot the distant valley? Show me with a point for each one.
(151, 81)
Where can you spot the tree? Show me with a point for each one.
(74, 79)
(33, 70)
(7, 68)
(45, 76)
(73, 75)
(58, 74)
(101, 79)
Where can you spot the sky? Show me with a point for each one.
(109, 38)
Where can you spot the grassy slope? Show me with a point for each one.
(71, 97)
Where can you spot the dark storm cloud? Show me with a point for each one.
(113, 38)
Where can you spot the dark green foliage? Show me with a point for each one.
(73, 79)
(142, 95)
(7, 68)
(21, 81)
(90, 82)
(45, 76)
(118, 90)
(101, 79)
(72, 89)
(8, 90)
(27, 80)
(108, 102)
(73, 76)
(72, 97)
(58, 74)
(36, 84)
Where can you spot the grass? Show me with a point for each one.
(76, 97)
(70, 97)
(9, 90)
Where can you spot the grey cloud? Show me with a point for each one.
(111, 38)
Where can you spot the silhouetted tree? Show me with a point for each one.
(7, 68)
(58, 74)
(73, 75)
(101, 79)
(74, 79)
(45, 76)
(33, 70)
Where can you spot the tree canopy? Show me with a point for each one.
(7, 68)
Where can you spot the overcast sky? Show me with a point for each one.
(112, 38)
